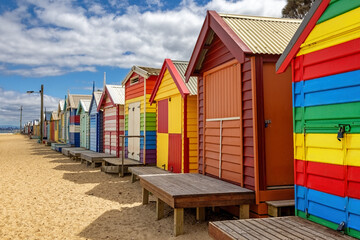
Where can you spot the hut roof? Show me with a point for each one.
(142, 71)
(84, 104)
(177, 70)
(116, 94)
(54, 115)
(73, 100)
(242, 35)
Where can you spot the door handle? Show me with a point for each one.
(267, 122)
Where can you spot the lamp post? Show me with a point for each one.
(41, 110)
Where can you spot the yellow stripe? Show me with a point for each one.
(337, 30)
(149, 109)
(325, 148)
(162, 150)
(167, 87)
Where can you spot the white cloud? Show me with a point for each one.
(60, 37)
(11, 102)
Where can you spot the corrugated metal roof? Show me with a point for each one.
(263, 35)
(181, 67)
(54, 115)
(85, 103)
(142, 71)
(97, 96)
(117, 93)
(75, 98)
(150, 71)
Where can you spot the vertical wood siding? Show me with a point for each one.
(200, 117)
(192, 132)
(175, 155)
(162, 116)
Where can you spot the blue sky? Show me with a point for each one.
(68, 44)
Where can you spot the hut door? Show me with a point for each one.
(175, 146)
(134, 130)
(278, 127)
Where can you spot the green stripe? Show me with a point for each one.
(338, 7)
(326, 118)
(150, 122)
(326, 223)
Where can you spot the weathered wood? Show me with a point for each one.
(145, 196)
(273, 211)
(275, 207)
(272, 228)
(159, 209)
(244, 211)
(200, 214)
(137, 171)
(178, 221)
(133, 178)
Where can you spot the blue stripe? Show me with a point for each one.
(328, 207)
(150, 140)
(339, 88)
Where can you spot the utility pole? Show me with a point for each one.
(41, 112)
(21, 107)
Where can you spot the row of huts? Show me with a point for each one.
(226, 113)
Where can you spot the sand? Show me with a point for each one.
(45, 195)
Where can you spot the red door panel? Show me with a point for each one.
(174, 160)
(163, 116)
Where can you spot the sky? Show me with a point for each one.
(69, 44)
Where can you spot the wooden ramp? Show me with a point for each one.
(93, 158)
(188, 190)
(139, 171)
(272, 228)
(66, 151)
(114, 165)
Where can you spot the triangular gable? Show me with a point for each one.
(214, 22)
(79, 108)
(144, 72)
(168, 65)
(301, 34)
(106, 92)
(93, 100)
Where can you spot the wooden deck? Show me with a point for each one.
(114, 165)
(60, 147)
(66, 151)
(188, 190)
(93, 158)
(76, 153)
(54, 146)
(272, 228)
(139, 171)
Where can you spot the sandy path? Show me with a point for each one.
(44, 195)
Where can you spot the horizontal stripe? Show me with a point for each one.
(339, 88)
(337, 8)
(329, 207)
(337, 30)
(339, 180)
(334, 60)
(327, 118)
(326, 148)
(114, 117)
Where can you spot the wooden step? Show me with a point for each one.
(280, 208)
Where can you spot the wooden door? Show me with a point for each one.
(175, 147)
(134, 130)
(278, 127)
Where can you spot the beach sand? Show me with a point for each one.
(45, 195)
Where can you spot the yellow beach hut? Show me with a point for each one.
(176, 114)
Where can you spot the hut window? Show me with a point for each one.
(134, 80)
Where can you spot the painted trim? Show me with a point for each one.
(231, 41)
(307, 25)
(168, 65)
(222, 119)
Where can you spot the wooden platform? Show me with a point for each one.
(66, 151)
(139, 171)
(93, 158)
(60, 147)
(272, 228)
(281, 208)
(114, 165)
(188, 190)
(76, 153)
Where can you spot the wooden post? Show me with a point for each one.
(244, 211)
(159, 209)
(200, 214)
(273, 211)
(133, 178)
(178, 221)
(145, 196)
(122, 155)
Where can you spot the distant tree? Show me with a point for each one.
(297, 8)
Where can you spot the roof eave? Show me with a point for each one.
(137, 70)
(301, 34)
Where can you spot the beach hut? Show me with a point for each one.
(73, 120)
(140, 116)
(83, 112)
(176, 118)
(47, 132)
(96, 123)
(244, 107)
(61, 120)
(36, 128)
(112, 105)
(325, 58)
(54, 127)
